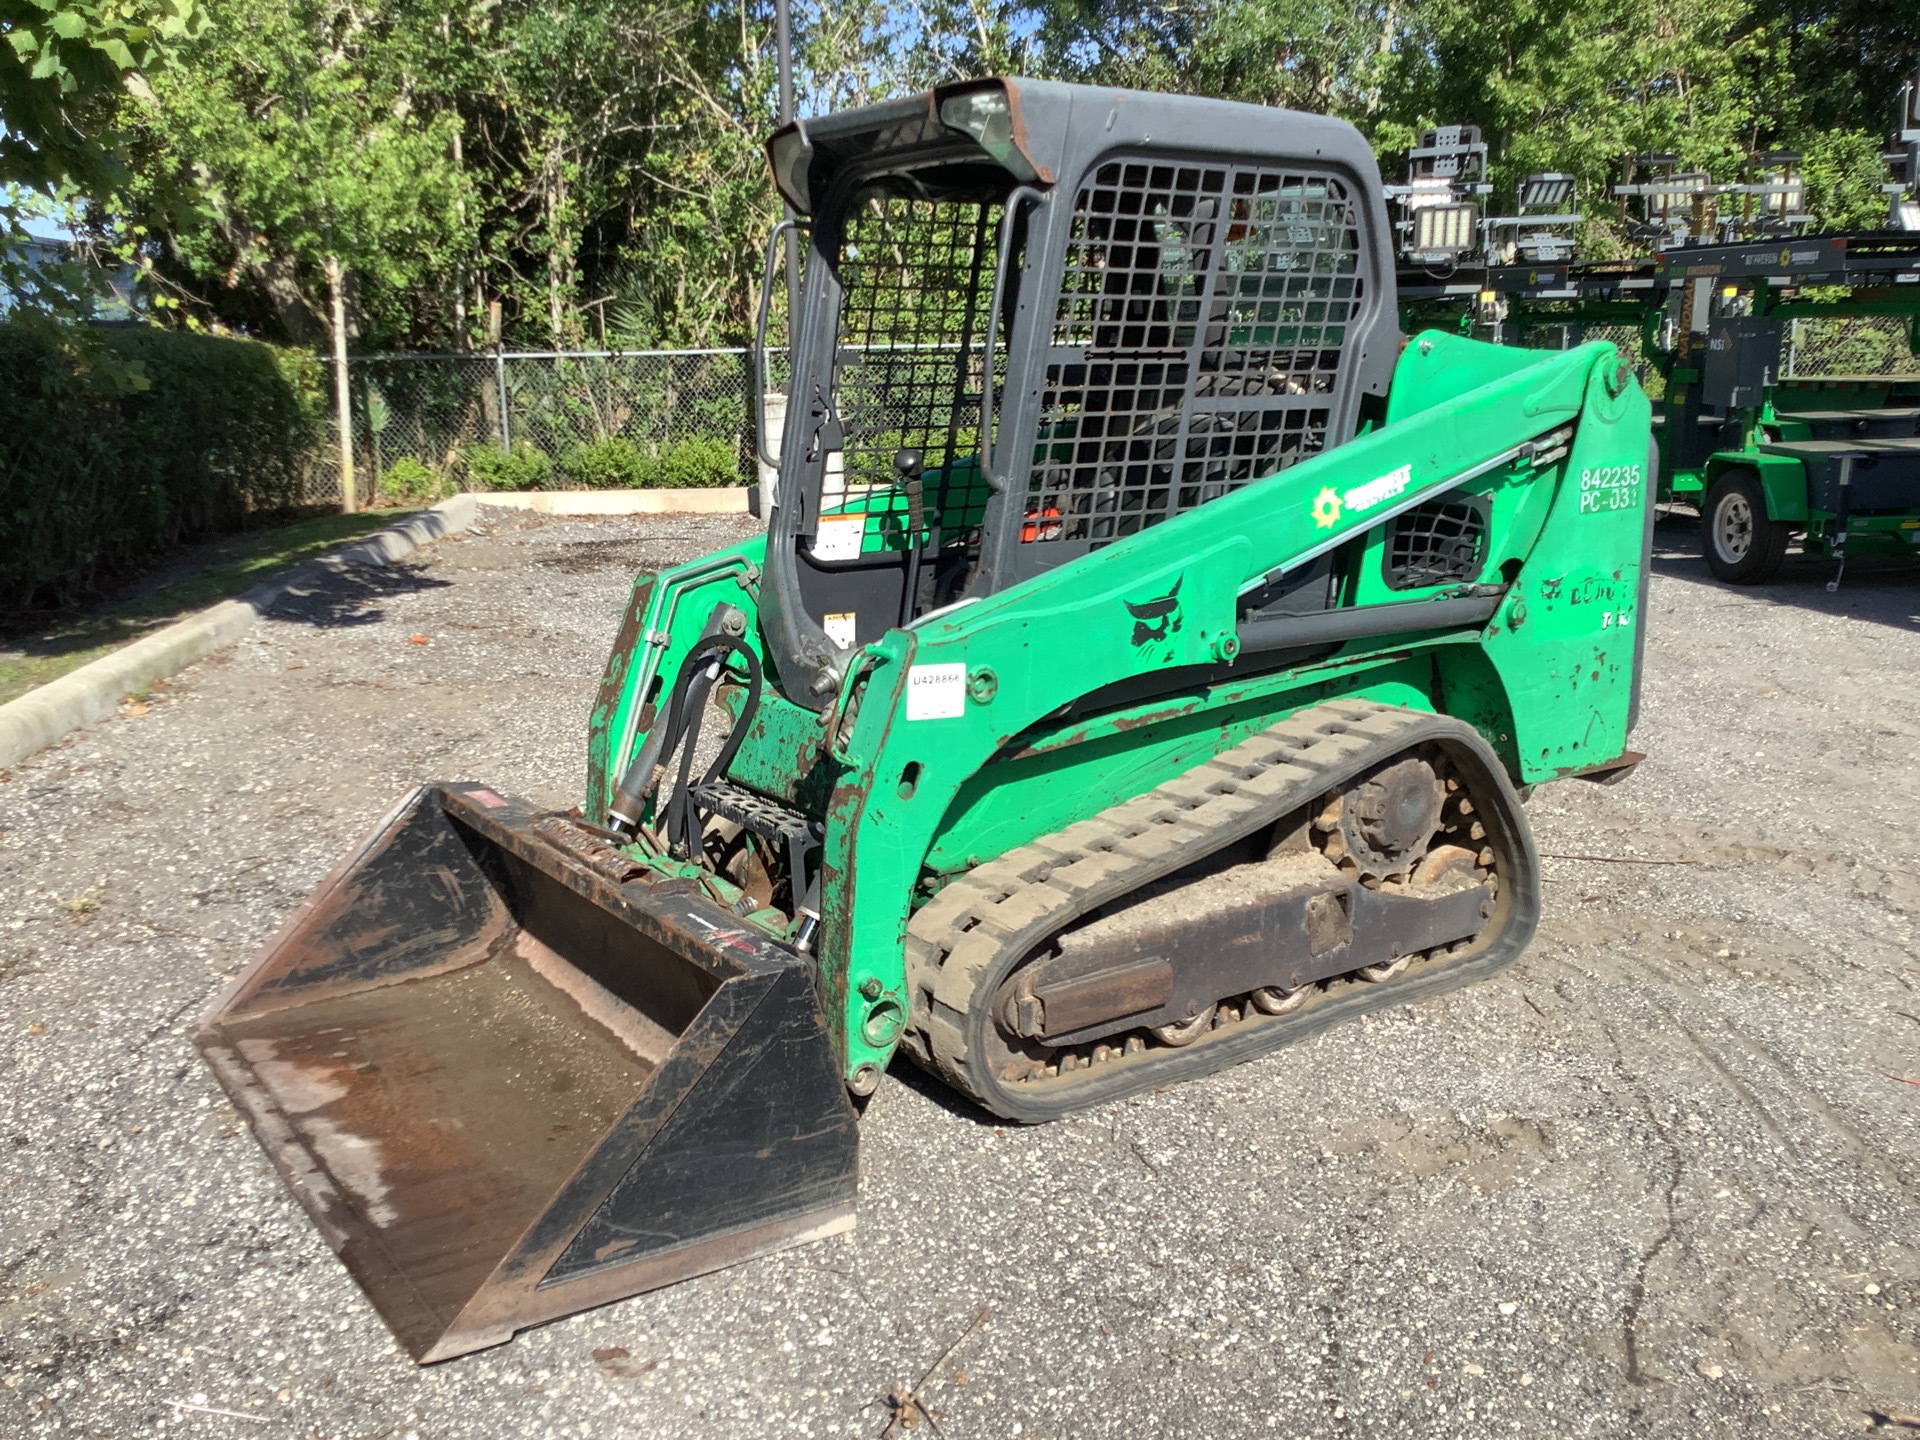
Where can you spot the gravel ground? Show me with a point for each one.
(1659, 1179)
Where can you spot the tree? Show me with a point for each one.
(315, 174)
(614, 121)
(63, 63)
(1850, 58)
(555, 151)
(1578, 87)
(591, 169)
(296, 129)
(63, 70)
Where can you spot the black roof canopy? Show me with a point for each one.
(1034, 131)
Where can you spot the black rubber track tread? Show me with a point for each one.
(963, 942)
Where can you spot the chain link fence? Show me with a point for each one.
(1629, 341)
(435, 409)
(1818, 348)
(1857, 347)
(1626, 339)
(438, 409)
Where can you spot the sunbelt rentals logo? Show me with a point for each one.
(1329, 504)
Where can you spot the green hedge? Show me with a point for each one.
(525, 467)
(407, 481)
(614, 463)
(117, 444)
(697, 465)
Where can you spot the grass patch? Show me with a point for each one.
(40, 646)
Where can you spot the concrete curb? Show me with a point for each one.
(723, 500)
(95, 690)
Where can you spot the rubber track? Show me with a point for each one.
(976, 928)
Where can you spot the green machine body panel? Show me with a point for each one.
(959, 738)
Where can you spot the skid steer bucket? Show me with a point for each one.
(510, 1078)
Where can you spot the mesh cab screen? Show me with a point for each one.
(916, 276)
(1198, 343)
(1435, 543)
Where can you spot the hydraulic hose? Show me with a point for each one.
(679, 730)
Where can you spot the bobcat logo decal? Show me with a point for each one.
(1157, 619)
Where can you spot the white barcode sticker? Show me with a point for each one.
(840, 629)
(839, 537)
(936, 692)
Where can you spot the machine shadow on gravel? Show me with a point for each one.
(349, 599)
(912, 1077)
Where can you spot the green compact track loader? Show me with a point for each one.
(1143, 667)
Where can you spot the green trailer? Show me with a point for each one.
(1726, 283)
(1765, 455)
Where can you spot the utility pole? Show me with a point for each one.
(783, 28)
(461, 340)
(342, 393)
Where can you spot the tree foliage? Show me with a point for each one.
(591, 169)
(65, 67)
(62, 65)
(304, 135)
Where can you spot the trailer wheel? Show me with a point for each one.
(1742, 545)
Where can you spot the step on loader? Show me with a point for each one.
(1142, 668)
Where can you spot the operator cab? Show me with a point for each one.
(1134, 317)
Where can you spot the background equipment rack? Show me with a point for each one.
(1761, 453)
